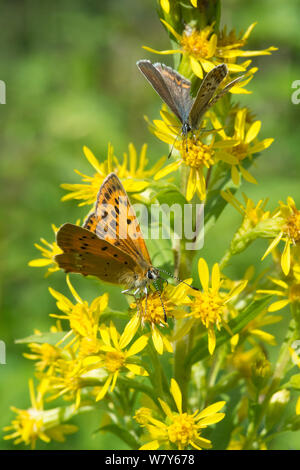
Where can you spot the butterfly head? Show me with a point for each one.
(152, 274)
(186, 128)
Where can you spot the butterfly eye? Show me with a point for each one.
(152, 274)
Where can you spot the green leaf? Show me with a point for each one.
(50, 338)
(200, 351)
(294, 382)
(122, 433)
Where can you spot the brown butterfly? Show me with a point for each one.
(175, 91)
(110, 245)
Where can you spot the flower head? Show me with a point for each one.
(204, 49)
(36, 423)
(83, 318)
(114, 357)
(210, 305)
(245, 146)
(132, 172)
(197, 154)
(180, 430)
(49, 251)
(152, 312)
(289, 218)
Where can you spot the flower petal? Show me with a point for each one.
(175, 390)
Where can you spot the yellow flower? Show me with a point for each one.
(132, 172)
(165, 4)
(210, 306)
(246, 143)
(68, 378)
(290, 291)
(49, 251)
(195, 154)
(83, 318)
(45, 354)
(142, 415)
(113, 358)
(152, 312)
(203, 49)
(289, 217)
(252, 214)
(250, 363)
(180, 430)
(253, 330)
(36, 423)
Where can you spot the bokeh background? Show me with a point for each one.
(71, 80)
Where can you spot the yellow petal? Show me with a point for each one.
(196, 67)
(203, 273)
(40, 262)
(165, 4)
(129, 331)
(169, 51)
(191, 184)
(171, 29)
(212, 409)
(261, 145)
(278, 305)
(252, 131)
(157, 341)
(235, 176)
(175, 390)
(298, 407)
(153, 445)
(168, 169)
(212, 44)
(211, 340)
(104, 389)
(272, 245)
(215, 277)
(286, 258)
(137, 346)
(215, 418)
(92, 159)
(73, 291)
(137, 370)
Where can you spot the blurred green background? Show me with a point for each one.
(71, 79)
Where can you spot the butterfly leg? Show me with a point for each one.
(161, 301)
(146, 298)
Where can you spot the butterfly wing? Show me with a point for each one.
(205, 93)
(156, 80)
(85, 253)
(114, 221)
(180, 88)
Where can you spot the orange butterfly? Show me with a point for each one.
(110, 245)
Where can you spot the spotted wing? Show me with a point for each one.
(85, 253)
(208, 87)
(114, 221)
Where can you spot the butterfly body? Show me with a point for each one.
(174, 90)
(110, 244)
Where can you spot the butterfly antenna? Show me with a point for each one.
(175, 140)
(177, 279)
(161, 301)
